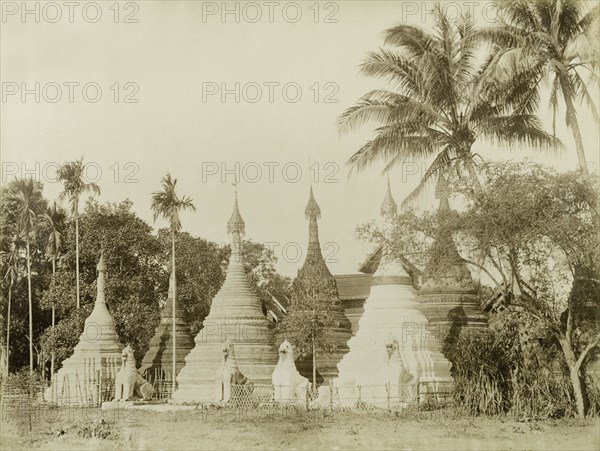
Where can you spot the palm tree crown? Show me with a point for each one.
(26, 194)
(72, 176)
(52, 225)
(553, 39)
(445, 97)
(167, 204)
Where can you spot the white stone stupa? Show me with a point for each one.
(235, 315)
(391, 310)
(90, 371)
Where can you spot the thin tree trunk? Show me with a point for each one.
(30, 310)
(77, 254)
(574, 124)
(577, 391)
(573, 375)
(53, 322)
(174, 302)
(8, 329)
(314, 361)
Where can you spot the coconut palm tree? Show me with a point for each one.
(72, 176)
(26, 194)
(560, 43)
(11, 277)
(445, 95)
(52, 226)
(168, 204)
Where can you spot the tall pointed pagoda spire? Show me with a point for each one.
(441, 193)
(235, 314)
(314, 256)
(389, 264)
(236, 227)
(445, 261)
(100, 314)
(447, 291)
(389, 311)
(158, 360)
(98, 349)
(388, 206)
(314, 272)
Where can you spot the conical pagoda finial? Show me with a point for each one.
(101, 282)
(314, 257)
(441, 193)
(236, 224)
(236, 227)
(388, 206)
(312, 207)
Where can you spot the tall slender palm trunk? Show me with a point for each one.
(174, 301)
(8, 329)
(574, 124)
(314, 365)
(53, 321)
(30, 309)
(77, 254)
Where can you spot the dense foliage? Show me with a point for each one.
(138, 265)
(533, 233)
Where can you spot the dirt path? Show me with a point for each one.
(276, 430)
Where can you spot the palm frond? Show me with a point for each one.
(508, 131)
(398, 70)
(392, 144)
(583, 93)
(385, 107)
(413, 40)
(167, 204)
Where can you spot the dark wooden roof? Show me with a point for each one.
(275, 305)
(353, 286)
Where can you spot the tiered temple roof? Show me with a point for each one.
(447, 292)
(388, 206)
(315, 270)
(235, 314)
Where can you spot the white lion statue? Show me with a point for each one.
(129, 384)
(228, 374)
(288, 383)
(403, 382)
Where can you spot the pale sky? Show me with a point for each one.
(174, 58)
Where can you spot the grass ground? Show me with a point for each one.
(197, 429)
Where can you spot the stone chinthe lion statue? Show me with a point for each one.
(403, 382)
(129, 384)
(228, 374)
(288, 383)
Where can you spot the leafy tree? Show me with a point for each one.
(556, 40)
(168, 204)
(310, 318)
(200, 273)
(72, 176)
(10, 277)
(446, 97)
(26, 195)
(259, 263)
(535, 233)
(135, 278)
(53, 223)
